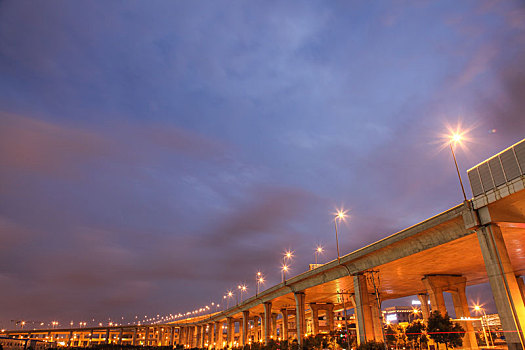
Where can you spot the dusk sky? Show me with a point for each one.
(154, 154)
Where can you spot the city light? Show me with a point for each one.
(259, 279)
(318, 250)
(341, 216)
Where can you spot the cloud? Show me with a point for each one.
(268, 209)
(502, 111)
(33, 145)
(37, 146)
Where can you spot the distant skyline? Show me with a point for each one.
(155, 155)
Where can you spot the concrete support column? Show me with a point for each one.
(315, 318)
(377, 318)
(425, 311)
(436, 285)
(107, 336)
(203, 336)
(134, 337)
(245, 327)
(284, 330)
(363, 312)
(521, 285)
(180, 337)
(146, 337)
(229, 331)
(273, 335)
(218, 338)
(435, 292)
(189, 336)
(211, 335)
(351, 299)
(119, 340)
(300, 316)
(461, 308)
(267, 322)
(330, 316)
(505, 288)
(198, 336)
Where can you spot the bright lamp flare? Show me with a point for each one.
(288, 254)
(285, 268)
(456, 138)
(341, 214)
(319, 249)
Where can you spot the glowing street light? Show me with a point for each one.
(340, 215)
(242, 289)
(454, 139)
(318, 250)
(284, 268)
(288, 255)
(415, 312)
(228, 296)
(259, 279)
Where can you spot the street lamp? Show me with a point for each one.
(284, 268)
(228, 296)
(288, 255)
(340, 215)
(478, 308)
(242, 289)
(414, 313)
(259, 279)
(318, 251)
(454, 139)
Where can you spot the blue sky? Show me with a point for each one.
(154, 155)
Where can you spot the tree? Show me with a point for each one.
(395, 336)
(442, 330)
(414, 333)
(391, 335)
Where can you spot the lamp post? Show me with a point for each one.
(284, 268)
(228, 297)
(242, 289)
(318, 251)
(478, 308)
(456, 138)
(288, 255)
(340, 215)
(259, 279)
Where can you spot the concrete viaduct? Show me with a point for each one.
(481, 240)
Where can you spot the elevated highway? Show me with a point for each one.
(478, 241)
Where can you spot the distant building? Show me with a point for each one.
(493, 321)
(400, 314)
(8, 343)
